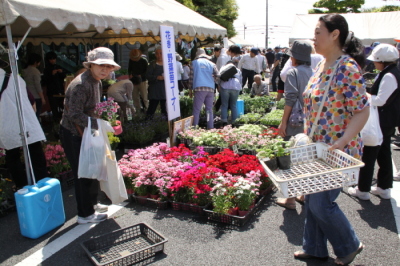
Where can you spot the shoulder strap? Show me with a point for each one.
(5, 83)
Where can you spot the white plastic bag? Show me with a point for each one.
(371, 134)
(92, 158)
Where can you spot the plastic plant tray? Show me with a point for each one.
(149, 202)
(125, 246)
(315, 169)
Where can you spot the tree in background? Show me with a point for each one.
(382, 9)
(338, 6)
(222, 12)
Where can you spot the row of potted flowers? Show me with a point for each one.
(226, 180)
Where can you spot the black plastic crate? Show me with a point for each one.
(187, 207)
(237, 220)
(149, 202)
(125, 246)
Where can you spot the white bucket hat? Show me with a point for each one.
(384, 53)
(100, 56)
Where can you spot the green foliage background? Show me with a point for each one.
(222, 12)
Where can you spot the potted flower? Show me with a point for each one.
(107, 110)
(267, 155)
(283, 155)
(56, 161)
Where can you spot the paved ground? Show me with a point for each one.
(270, 238)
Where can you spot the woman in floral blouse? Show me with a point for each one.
(344, 114)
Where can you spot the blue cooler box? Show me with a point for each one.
(240, 107)
(40, 207)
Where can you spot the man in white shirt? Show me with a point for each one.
(249, 66)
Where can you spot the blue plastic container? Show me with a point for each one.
(40, 207)
(240, 107)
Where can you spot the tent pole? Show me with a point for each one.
(14, 70)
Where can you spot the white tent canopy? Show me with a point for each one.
(240, 41)
(94, 21)
(369, 27)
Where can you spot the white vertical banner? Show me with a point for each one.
(170, 76)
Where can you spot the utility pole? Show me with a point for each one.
(266, 27)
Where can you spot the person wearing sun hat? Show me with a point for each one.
(137, 70)
(81, 97)
(384, 94)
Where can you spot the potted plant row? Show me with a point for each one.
(275, 155)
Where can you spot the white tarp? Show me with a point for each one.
(100, 21)
(369, 27)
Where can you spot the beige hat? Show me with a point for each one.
(202, 53)
(100, 56)
(384, 53)
(135, 54)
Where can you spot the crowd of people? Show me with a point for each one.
(322, 80)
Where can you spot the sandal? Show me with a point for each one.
(301, 255)
(282, 202)
(349, 258)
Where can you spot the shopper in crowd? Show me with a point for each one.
(155, 77)
(344, 115)
(179, 71)
(10, 138)
(223, 58)
(296, 81)
(259, 87)
(229, 93)
(249, 66)
(262, 62)
(270, 56)
(281, 84)
(81, 97)
(121, 91)
(203, 76)
(185, 75)
(137, 69)
(385, 94)
(235, 53)
(32, 78)
(275, 68)
(217, 52)
(53, 77)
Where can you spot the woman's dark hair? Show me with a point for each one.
(51, 55)
(34, 58)
(353, 46)
(234, 49)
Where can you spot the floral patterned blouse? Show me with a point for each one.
(347, 93)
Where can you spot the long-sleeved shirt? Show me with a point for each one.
(261, 89)
(234, 83)
(388, 85)
(81, 97)
(186, 72)
(179, 70)
(32, 79)
(121, 91)
(249, 63)
(139, 67)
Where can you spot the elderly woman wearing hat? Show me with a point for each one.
(137, 69)
(81, 97)
(385, 95)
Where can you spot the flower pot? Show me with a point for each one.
(129, 191)
(155, 197)
(243, 213)
(117, 128)
(176, 206)
(233, 211)
(284, 162)
(271, 163)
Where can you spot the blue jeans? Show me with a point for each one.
(325, 221)
(228, 98)
(206, 98)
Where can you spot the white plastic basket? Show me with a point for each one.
(315, 169)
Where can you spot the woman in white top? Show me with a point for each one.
(385, 94)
